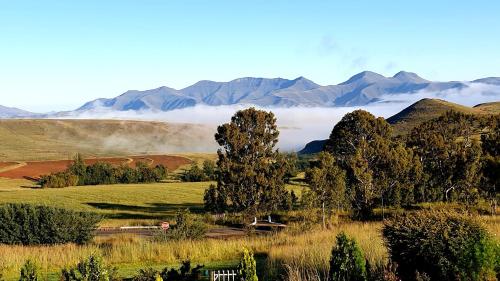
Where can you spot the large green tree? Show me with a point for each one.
(450, 156)
(250, 168)
(380, 170)
(491, 166)
(327, 183)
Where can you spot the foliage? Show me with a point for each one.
(214, 202)
(250, 170)
(441, 244)
(185, 273)
(450, 156)
(347, 262)
(148, 274)
(209, 169)
(247, 268)
(103, 173)
(291, 166)
(58, 180)
(377, 166)
(382, 272)
(90, 269)
(187, 226)
(194, 174)
(327, 182)
(33, 225)
(491, 165)
(30, 272)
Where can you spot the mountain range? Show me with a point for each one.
(361, 89)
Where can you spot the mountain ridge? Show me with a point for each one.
(360, 89)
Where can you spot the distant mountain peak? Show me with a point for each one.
(409, 77)
(365, 77)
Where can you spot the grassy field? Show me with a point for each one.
(120, 204)
(129, 253)
(301, 246)
(45, 139)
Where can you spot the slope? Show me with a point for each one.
(45, 139)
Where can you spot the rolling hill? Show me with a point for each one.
(427, 109)
(417, 113)
(46, 139)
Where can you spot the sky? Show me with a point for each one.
(56, 55)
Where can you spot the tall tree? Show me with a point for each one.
(327, 182)
(490, 180)
(379, 169)
(450, 156)
(250, 170)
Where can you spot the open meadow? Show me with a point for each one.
(306, 245)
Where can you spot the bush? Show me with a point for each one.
(29, 272)
(184, 273)
(441, 245)
(188, 226)
(90, 269)
(34, 225)
(347, 262)
(58, 180)
(195, 174)
(247, 269)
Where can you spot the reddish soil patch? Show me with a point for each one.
(171, 162)
(7, 164)
(36, 169)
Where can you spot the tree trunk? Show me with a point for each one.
(323, 210)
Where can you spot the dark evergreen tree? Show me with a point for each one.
(250, 170)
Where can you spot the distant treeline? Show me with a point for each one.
(26, 224)
(78, 173)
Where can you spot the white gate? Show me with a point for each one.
(224, 275)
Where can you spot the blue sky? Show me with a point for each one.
(55, 55)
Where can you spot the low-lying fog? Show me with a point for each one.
(299, 125)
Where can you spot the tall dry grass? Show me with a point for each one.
(308, 250)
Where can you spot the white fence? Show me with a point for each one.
(224, 275)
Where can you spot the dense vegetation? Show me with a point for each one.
(440, 160)
(442, 246)
(102, 173)
(34, 225)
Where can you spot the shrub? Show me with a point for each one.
(58, 180)
(188, 226)
(347, 262)
(185, 273)
(247, 269)
(441, 245)
(90, 269)
(195, 174)
(29, 272)
(33, 225)
(148, 274)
